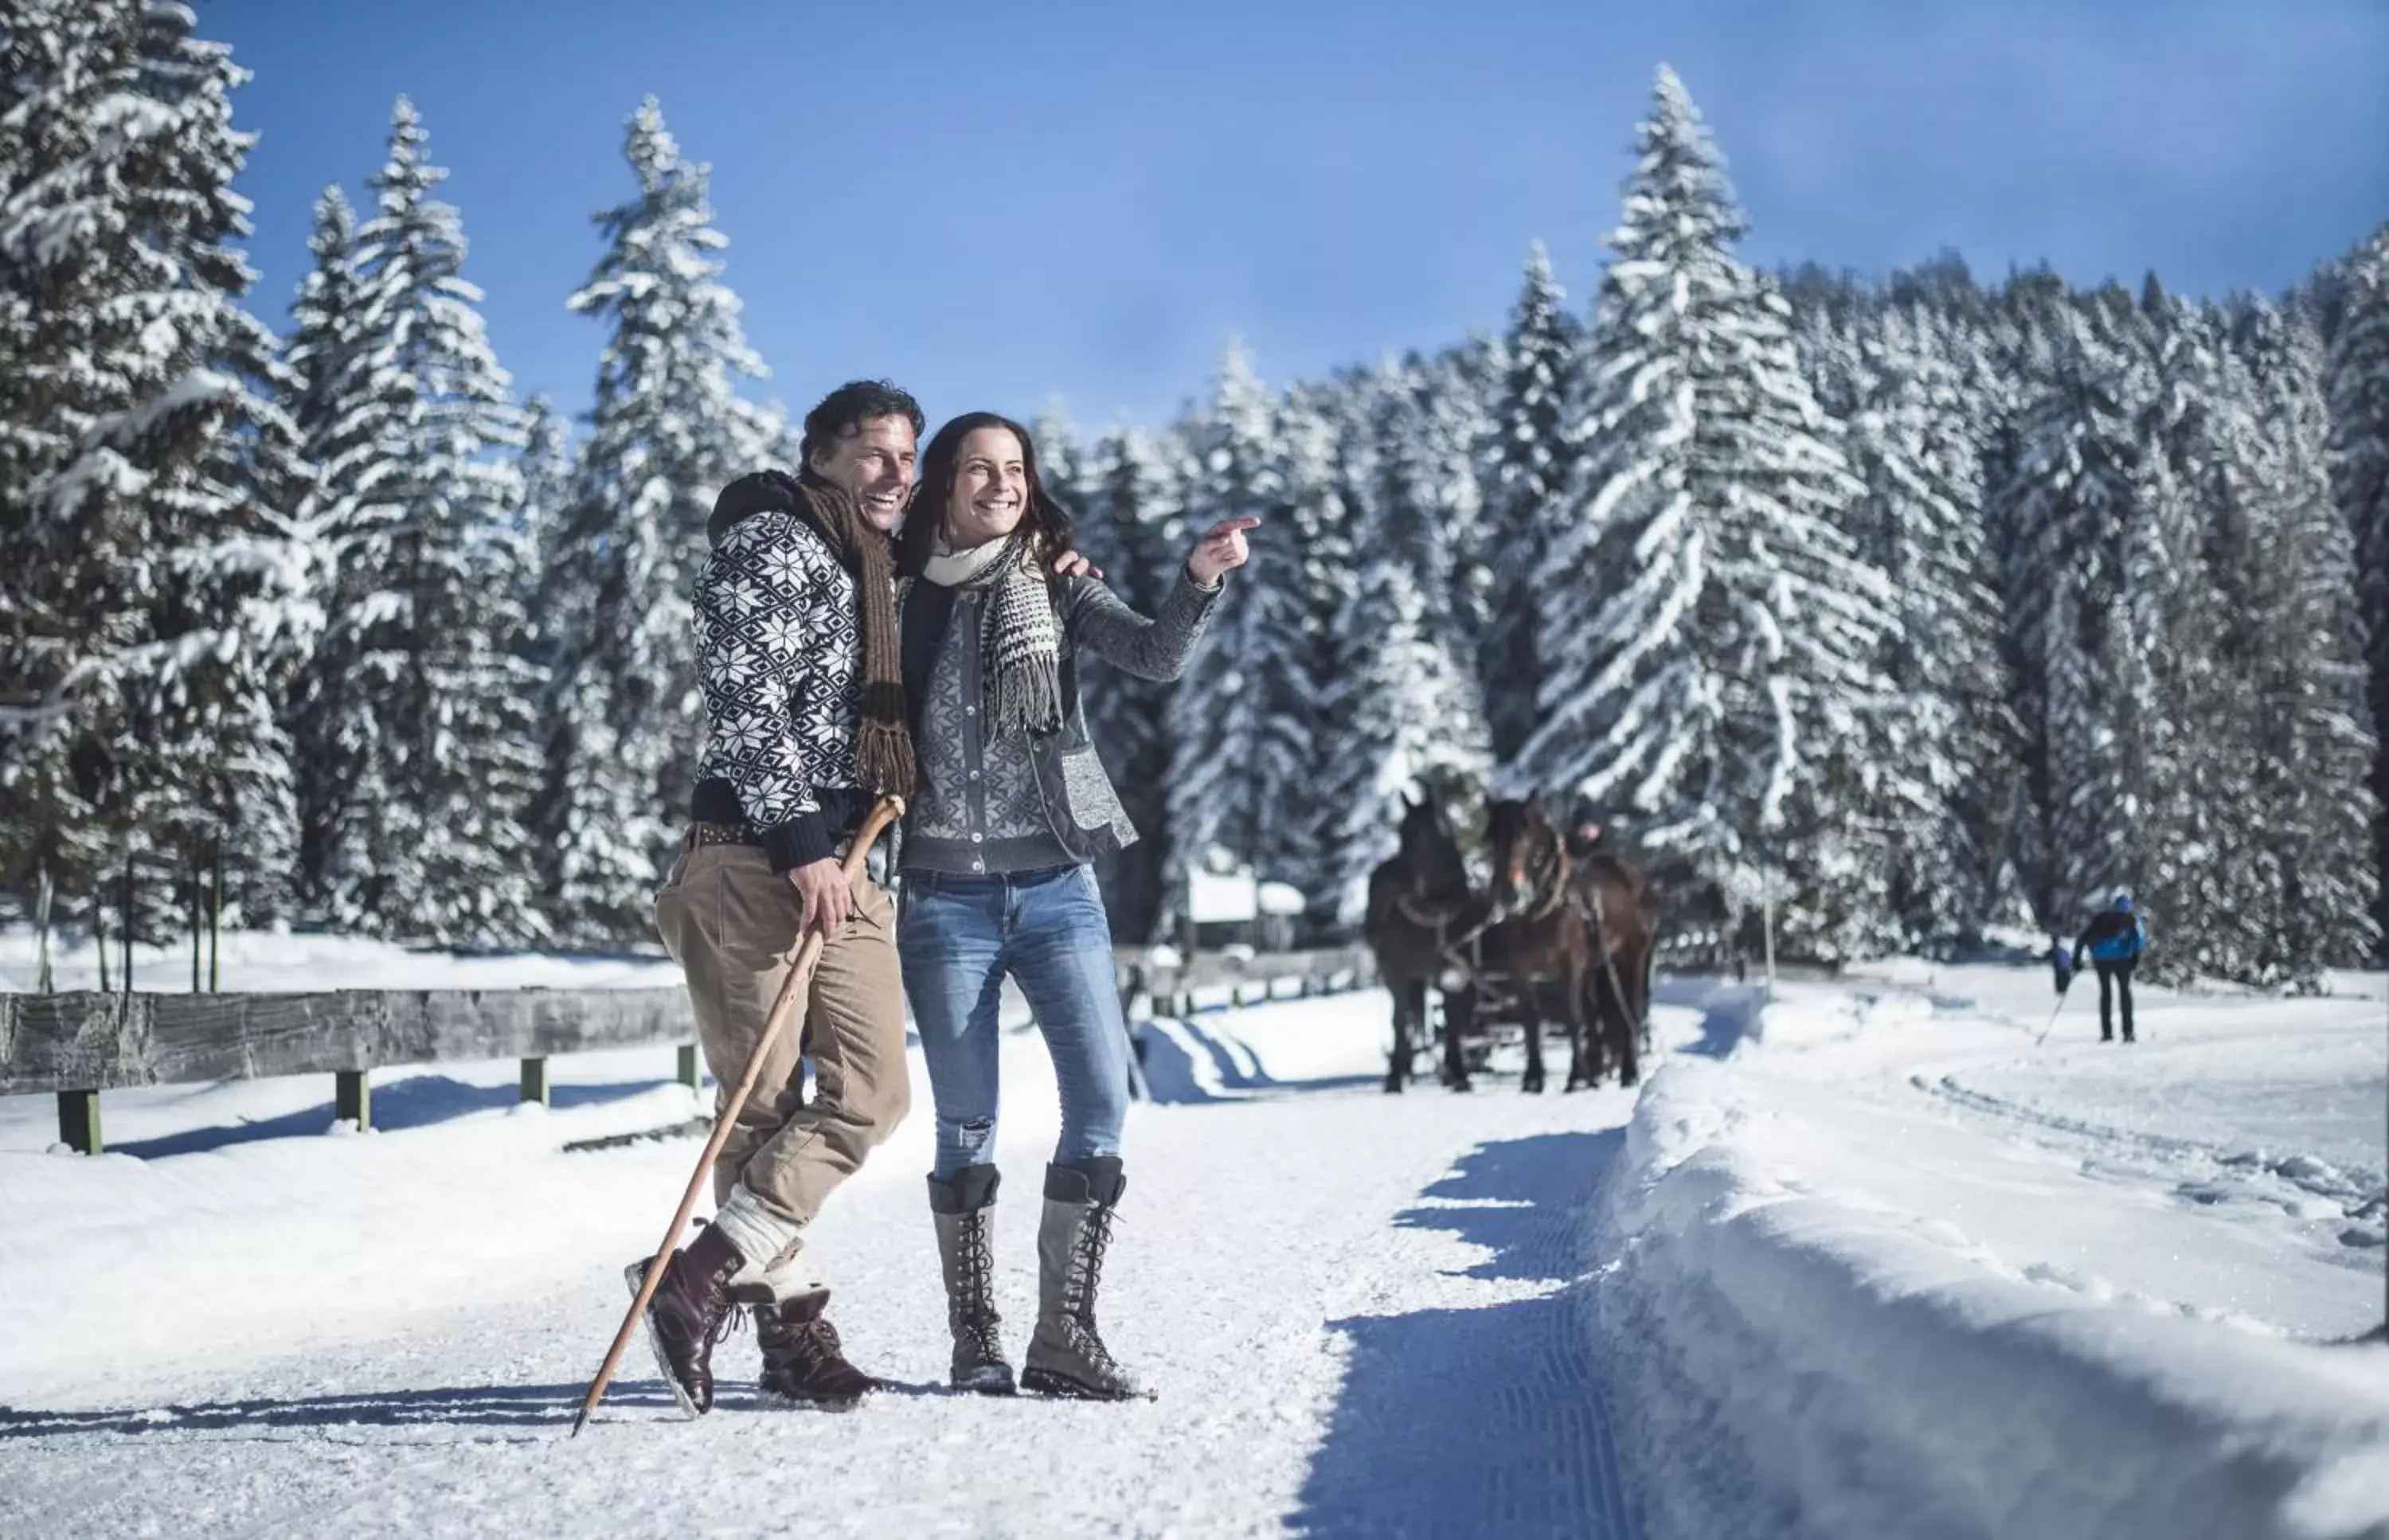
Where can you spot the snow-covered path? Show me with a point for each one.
(1356, 1312)
(1863, 1261)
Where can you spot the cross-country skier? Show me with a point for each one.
(2114, 941)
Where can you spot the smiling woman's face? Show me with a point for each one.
(990, 490)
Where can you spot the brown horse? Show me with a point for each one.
(1625, 936)
(1572, 928)
(1420, 908)
(1539, 946)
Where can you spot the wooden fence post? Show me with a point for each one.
(353, 1097)
(534, 1081)
(78, 1121)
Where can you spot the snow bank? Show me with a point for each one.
(1789, 1364)
(1735, 1015)
(270, 962)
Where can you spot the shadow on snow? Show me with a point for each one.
(458, 1406)
(1486, 1421)
(417, 1101)
(530, 1408)
(1188, 1061)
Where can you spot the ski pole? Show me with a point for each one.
(888, 811)
(2053, 1015)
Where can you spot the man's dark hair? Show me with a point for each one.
(843, 412)
(1043, 518)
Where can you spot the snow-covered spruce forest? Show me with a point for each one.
(1925, 607)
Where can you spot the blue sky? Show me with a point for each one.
(1002, 205)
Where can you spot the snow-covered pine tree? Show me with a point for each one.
(1315, 544)
(331, 403)
(1061, 459)
(336, 411)
(1280, 619)
(1423, 505)
(2316, 740)
(1711, 637)
(1460, 388)
(1421, 497)
(2213, 865)
(1219, 721)
(1402, 703)
(420, 710)
(667, 431)
(1527, 468)
(1129, 525)
(154, 598)
(2356, 378)
(544, 469)
(1912, 441)
(2098, 541)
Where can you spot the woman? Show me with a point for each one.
(1012, 808)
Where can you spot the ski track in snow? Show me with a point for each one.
(1863, 1262)
(2214, 1175)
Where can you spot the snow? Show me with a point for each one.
(1861, 1259)
(272, 963)
(1216, 897)
(1280, 898)
(1885, 1266)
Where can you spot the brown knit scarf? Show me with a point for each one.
(883, 748)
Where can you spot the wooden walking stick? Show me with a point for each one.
(887, 812)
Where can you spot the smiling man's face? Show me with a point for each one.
(873, 463)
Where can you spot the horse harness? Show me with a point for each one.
(1564, 890)
(1446, 946)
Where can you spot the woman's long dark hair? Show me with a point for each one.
(942, 464)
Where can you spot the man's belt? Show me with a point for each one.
(700, 835)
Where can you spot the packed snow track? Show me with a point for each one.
(1859, 1261)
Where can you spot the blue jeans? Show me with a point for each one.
(957, 937)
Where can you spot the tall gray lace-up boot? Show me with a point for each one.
(964, 1210)
(1067, 1356)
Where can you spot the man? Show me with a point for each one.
(1584, 833)
(797, 658)
(2113, 942)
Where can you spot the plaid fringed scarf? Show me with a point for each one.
(1020, 638)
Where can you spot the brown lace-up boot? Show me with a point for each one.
(689, 1314)
(803, 1362)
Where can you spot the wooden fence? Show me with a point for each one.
(1247, 977)
(80, 1044)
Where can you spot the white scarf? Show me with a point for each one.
(1020, 638)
